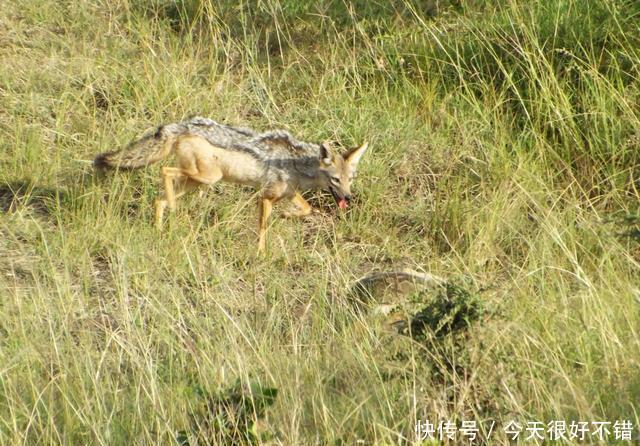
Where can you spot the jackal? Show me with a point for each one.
(274, 162)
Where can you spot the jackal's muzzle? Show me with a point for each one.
(342, 200)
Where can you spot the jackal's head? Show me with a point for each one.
(337, 171)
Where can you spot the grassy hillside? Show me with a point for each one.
(505, 158)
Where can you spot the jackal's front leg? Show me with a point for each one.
(264, 210)
(303, 208)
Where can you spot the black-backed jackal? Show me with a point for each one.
(274, 162)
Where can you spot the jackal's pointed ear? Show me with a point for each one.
(353, 156)
(326, 154)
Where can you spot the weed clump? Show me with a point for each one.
(452, 310)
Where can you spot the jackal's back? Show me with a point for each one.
(266, 146)
(271, 147)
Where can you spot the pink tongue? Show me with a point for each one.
(342, 203)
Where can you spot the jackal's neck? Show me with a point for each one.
(307, 174)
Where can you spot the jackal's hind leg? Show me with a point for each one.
(186, 181)
(161, 205)
(186, 185)
(209, 177)
(168, 174)
(264, 210)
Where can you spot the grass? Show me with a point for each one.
(505, 156)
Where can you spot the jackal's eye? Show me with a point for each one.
(335, 180)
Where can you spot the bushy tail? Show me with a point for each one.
(142, 152)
